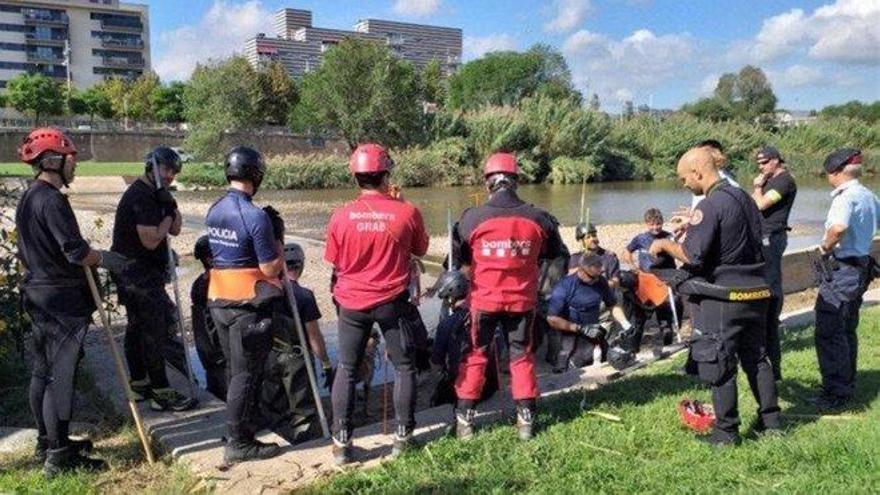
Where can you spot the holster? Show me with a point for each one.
(711, 361)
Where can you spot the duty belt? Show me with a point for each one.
(736, 294)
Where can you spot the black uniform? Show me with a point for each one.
(58, 302)
(208, 339)
(774, 244)
(723, 246)
(149, 311)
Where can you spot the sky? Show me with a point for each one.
(658, 52)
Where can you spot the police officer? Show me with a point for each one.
(575, 307)
(501, 245)
(849, 231)
(722, 251)
(204, 331)
(370, 243)
(56, 295)
(244, 294)
(774, 191)
(145, 216)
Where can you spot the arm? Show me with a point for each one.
(628, 257)
(177, 224)
(420, 236)
(764, 200)
(274, 268)
(670, 247)
(838, 221)
(619, 317)
(832, 236)
(561, 324)
(65, 230)
(153, 235)
(316, 342)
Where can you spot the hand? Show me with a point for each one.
(656, 248)
(329, 374)
(114, 262)
(277, 222)
(759, 181)
(592, 332)
(166, 200)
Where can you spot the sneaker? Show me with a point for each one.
(720, 439)
(524, 422)
(236, 452)
(140, 389)
(403, 441)
(464, 424)
(67, 458)
(341, 448)
(83, 446)
(164, 399)
(830, 403)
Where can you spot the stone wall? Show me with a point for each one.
(797, 268)
(132, 146)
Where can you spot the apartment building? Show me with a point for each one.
(300, 46)
(94, 39)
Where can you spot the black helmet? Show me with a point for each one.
(243, 163)
(452, 286)
(163, 155)
(294, 255)
(202, 249)
(583, 229)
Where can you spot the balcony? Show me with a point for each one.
(45, 58)
(43, 17)
(42, 39)
(122, 44)
(130, 26)
(123, 63)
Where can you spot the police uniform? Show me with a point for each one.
(503, 241)
(207, 339)
(723, 247)
(242, 301)
(581, 303)
(843, 282)
(370, 243)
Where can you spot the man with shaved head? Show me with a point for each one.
(722, 256)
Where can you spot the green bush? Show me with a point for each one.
(314, 171)
(567, 170)
(203, 175)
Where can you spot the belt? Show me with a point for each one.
(713, 291)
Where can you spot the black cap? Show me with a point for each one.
(769, 153)
(590, 259)
(841, 158)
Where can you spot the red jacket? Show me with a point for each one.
(370, 242)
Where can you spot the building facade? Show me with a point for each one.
(300, 47)
(101, 39)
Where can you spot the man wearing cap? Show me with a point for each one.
(844, 275)
(371, 242)
(501, 244)
(774, 191)
(575, 306)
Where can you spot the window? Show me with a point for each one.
(9, 8)
(16, 28)
(15, 47)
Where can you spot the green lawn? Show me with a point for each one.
(649, 451)
(83, 169)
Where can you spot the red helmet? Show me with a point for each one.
(696, 415)
(501, 163)
(42, 140)
(370, 158)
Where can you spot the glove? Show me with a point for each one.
(592, 332)
(329, 374)
(626, 329)
(277, 222)
(166, 200)
(114, 262)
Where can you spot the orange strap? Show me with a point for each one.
(236, 284)
(651, 289)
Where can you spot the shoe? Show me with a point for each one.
(524, 422)
(403, 441)
(140, 389)
(67, 459)
(464, 424)
(236, 452)
(341, 448)
(82, 446)
(164, 399)
(830, 403)
(719, 439)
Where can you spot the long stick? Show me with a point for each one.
(583, 200)
(184, 336)
(307, 355)
(449, 266)
(385, 390)
(120, 368)
(675, 324)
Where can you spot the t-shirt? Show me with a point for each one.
(783, 188)
(610, 262)
(857, 208)
(370, 243)
(305, 303)
(580, 302)
(139, 206)
(240, 233)
(646, 262)
(447, 348)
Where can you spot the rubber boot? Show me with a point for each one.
(82, 446)
(342, 447)
(524, 414)
(403, 441)
(464, 423)
(67, 459)
(236, 452)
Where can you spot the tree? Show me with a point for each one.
(221, 96)
(433, 83)
(2, 100)
(712, 109)
(594, 103)
(75, 103)
(35, 94)
(364, 92)
(277, 95)
(167, 102)
(96, 102)
(138, 92)
(748, 93)
(628, 109)
(869, 112)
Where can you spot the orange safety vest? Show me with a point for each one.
(236, 284)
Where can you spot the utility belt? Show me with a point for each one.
(734, 283)
(699, 287)
(826, 265)
(241, 286)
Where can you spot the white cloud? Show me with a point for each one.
(477, 46)
(796, 76)
(625, 69)
(844, 32)
(219, 33)
(416, 8)
(707, 86)
(567, 15)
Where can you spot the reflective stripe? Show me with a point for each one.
(237, 284)
(772, 196)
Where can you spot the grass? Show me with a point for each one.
(649, 451)
(92, 169)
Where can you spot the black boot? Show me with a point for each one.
(464, 423)
(82, 446)
(720, 439)
(236, 452)
(403, 441)
(342, 447)
(67, 459)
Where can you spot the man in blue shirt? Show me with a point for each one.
(844, 275)
(640, 244)
(574, 311)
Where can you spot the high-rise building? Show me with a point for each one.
(300, 47)
(94, 39)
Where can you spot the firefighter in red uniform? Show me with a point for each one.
(501, 244)
(370, 243)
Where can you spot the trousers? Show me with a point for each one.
(773, 251)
